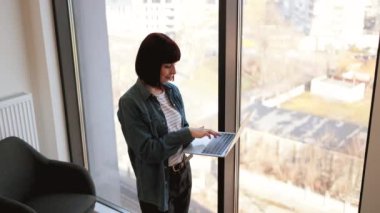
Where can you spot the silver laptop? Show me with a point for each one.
(215, 147)
(219, 146)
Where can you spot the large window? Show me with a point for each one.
(194, 26)
(308, 69)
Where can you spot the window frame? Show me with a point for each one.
(230, 31)
(68, 65)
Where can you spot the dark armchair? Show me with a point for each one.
(29, 182)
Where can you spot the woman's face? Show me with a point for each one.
(167, 72)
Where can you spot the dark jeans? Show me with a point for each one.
(179, 193)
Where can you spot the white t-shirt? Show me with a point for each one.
(173, 119)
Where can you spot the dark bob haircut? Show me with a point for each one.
(156, 49)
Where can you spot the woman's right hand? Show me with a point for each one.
(201, 132)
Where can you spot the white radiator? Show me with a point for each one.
(17, 118)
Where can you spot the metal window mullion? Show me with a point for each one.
(78, 84)
(68, 63)
(229, 99)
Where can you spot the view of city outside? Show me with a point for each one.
(193, 24)
(308, 70)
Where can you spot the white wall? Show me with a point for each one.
(28, 63)
(96, 86)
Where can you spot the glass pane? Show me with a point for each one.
(308, 69)
(194, 26)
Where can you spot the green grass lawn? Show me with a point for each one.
(356, 112)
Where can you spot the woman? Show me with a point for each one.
(152, 117)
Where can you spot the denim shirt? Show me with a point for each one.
(149, 142)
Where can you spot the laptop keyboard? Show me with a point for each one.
(218, 145)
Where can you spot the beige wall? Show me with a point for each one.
(13, 59)
(28, 63)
